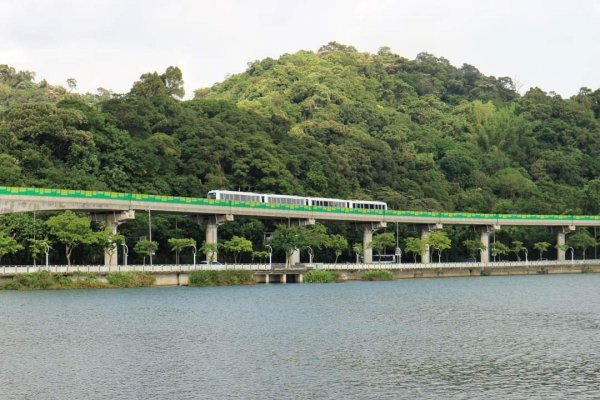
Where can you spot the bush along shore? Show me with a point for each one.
(221, 278)
(45, 280)
(378, 275)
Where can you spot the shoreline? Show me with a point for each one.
(181, 278)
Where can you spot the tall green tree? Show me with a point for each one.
(338, 244)
(71, 230)
(382, 241)
(541, 247)
(474, 247)
(287, 239)
(109, 242)
(8, 245)
(499, 249)
(238, 245)
(177, 245)
(439, 241)
(146, 248)
(581, 239)
(415, 246)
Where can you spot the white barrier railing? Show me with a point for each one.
(103, 269)
(435, 265)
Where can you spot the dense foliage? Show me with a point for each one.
(419, 134)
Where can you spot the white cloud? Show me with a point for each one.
(109, 43)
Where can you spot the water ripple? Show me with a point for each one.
(502, 337)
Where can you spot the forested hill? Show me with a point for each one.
(419, 134)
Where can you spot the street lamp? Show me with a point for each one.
(526, 259)
(193, 246)
(47, 251)
(572, 254)
(310, 254)
(125, 253)
(270, 255)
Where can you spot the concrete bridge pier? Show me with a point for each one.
(368, 230)
(295, 257)
(484, 233)
(561, 241)
(425, 230)
(111, 221)
(212, 225)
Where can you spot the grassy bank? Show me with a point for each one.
(320, 276)
(378, 275)
(45, 280)
(221, 278)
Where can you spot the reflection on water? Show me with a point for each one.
(496, 337)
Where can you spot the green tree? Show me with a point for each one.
(8, 245)
(37, 247)
(439, 241)
(541, 247)
(210, 250)
(109, 242)
(287, 239)
(499, 249)
(517, 248)
(71, 230)
(382, 241)
(415, 246)
(474, 247)
(261, 255)
(177, 245)
(238, 245)
(338, 244)
(146, 248)
(581, 239)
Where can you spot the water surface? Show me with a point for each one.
(464, 338)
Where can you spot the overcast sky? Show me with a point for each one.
(109, 43)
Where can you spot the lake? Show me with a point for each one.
(464, 338)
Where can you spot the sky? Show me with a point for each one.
(554, 45)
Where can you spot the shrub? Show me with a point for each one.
(34, 280)
(130, 279)
(319, 276)
(378, 275)
(221, 278)
(485, 272)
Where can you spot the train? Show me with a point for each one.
(296, 200)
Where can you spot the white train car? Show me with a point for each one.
(296, 200)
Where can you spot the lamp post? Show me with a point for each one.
(47, 251)
(270, 256)
(310, 254)
(193, 246)
(526, 259)
(572, 254)
(399, 254)
(125, 253)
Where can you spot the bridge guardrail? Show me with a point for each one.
(8, 270)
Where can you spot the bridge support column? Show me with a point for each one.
(295, 257)
(561, 241)
(212, 225)
(111, 222)
(484, 233)
(425, 230)
(368, 230)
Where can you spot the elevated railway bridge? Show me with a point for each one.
(114, 208)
